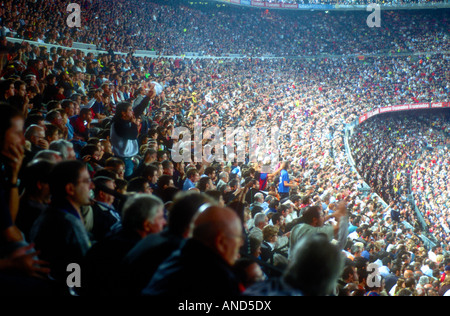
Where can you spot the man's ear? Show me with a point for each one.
(220, 243)
(70, 189)
(101, 194)
(147, 226)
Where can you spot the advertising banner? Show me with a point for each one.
(439, 105)
(373, 113)
(273, 5)
(419, 106)
(386, 109)
(289, 5)
(362, 118)
(258, 4)
(316, 6)
(403, 107)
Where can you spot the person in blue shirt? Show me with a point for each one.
(69, 108)
(192, 177)
(285, 184)
(98, 107)
(237, 169)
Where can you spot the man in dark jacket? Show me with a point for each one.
(59, 233)
(107, 219)
(202, 267)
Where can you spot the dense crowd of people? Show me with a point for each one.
(89, 175)
(406, 155)
(428, 187)
(171, 28)
(397, 157)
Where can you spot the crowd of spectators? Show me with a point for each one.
(385, 153)
(89, 138)
(429, 190)
(397, 164)
(403, 158)
(395, 155)
(171, 28)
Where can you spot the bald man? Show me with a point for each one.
(203, 266)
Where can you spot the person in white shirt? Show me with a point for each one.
(432, 254)
(384, 269)
(290, 213)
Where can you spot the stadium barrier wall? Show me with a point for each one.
(86, 48)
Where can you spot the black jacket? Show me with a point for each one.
(102, 261)
(60, 236)
(266, 252)
(142, 261)
(106, 221)
(193, 271)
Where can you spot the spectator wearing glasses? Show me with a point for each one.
(59, 233)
